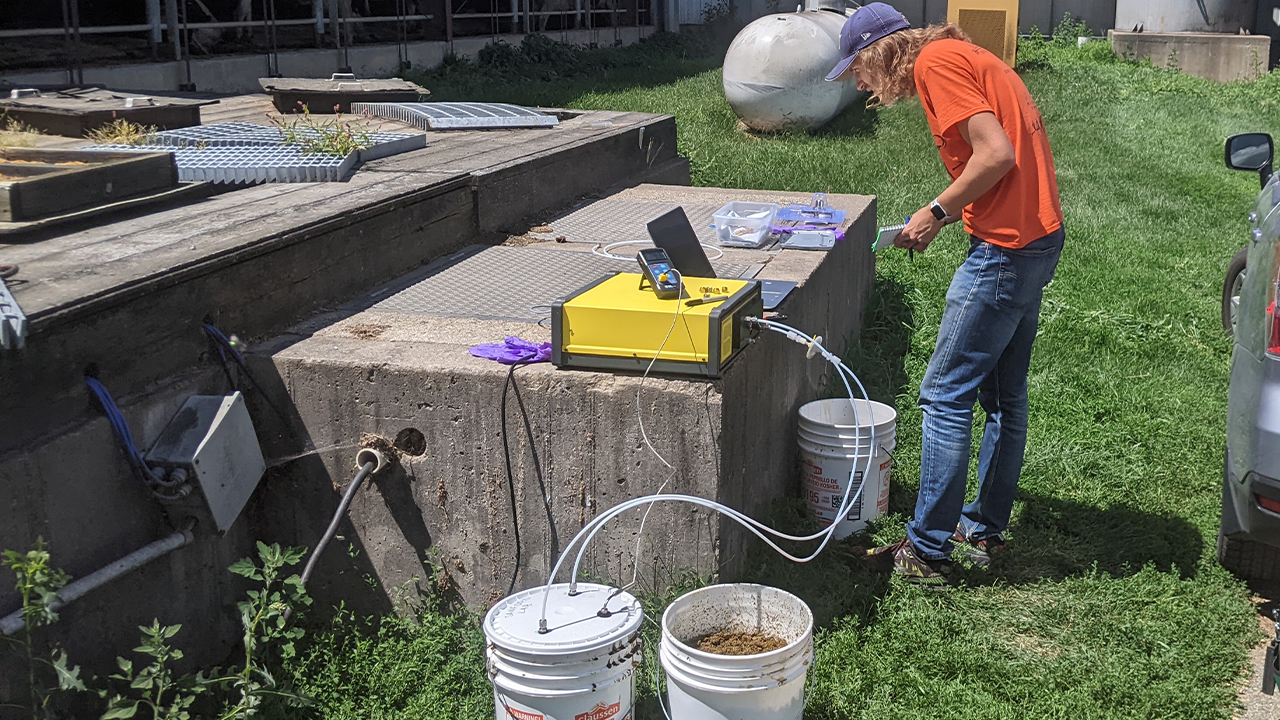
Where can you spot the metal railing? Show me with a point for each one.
(168, 24)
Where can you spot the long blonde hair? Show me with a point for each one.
(890, 62)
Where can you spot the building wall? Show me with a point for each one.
(1099, 15)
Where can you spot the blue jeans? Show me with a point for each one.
(983, 353)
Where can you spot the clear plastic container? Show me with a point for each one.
(744, 224)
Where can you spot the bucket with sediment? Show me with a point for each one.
(582, 668)
(705, 684)
(833, 440)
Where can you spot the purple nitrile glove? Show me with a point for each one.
(513, 350)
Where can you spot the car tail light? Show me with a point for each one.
(1268, 504)
(1273, 330)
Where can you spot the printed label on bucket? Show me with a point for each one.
(600, 712)
(825, 482)
(523, 714)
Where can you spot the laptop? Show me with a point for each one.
(674, 233)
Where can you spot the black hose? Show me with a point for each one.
(365, 471)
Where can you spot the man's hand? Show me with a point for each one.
(921, 229)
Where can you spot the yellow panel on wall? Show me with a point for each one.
(993, 24)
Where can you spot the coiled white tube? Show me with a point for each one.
(757, 528)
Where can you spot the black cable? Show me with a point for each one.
(225, 348)
(537, 465)
(511, 480)
(364, 472)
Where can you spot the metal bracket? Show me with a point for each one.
(13, 322)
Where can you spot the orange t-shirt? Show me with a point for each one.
(957, 80)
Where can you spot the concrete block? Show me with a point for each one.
(1214, 56)
(369, 370)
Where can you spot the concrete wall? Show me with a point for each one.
(62, 476)
(732, 440)
(1099, 15)
(1157, 16)
(240, 73)
(1216, 57)
(77, 493)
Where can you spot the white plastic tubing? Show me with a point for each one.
(757, 528)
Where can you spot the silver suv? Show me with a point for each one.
(1249, 535)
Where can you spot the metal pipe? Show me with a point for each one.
(317, 12)
(13, 622)
(171, 24)
(153, 22)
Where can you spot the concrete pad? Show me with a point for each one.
(362, 370)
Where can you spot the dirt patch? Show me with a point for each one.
(381, 444)
(65, 163)
(367, 331)
(740, 643)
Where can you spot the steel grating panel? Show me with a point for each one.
(251, 164)
(622, 220)
(247, 153)
(507, 283)
(241, 133)
(453, 116)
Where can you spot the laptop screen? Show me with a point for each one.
(674, 233)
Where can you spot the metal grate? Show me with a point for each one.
(452, 116)
(241, 134)
(611, 220)
(987, 28)
(508, 283)
(252, 164)
(248, 153)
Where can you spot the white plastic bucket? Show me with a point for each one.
(765, 686)
(583, 668)
(831, 445)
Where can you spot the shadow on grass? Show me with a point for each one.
(1053, 539)
(544, 72)
(1050, 539)
(879, 355)
(857, 119)
(560, 93)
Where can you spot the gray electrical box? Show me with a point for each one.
(211, 443)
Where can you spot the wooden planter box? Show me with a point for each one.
(325, 97)
(39, 183)
(73, 112)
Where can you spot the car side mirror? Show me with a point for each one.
(1252, 152)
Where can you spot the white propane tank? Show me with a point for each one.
(775, 71)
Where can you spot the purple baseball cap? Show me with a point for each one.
(867, 24)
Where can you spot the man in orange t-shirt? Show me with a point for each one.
(992, 141)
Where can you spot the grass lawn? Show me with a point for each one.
(1112, 604)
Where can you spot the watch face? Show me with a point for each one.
(938, 212)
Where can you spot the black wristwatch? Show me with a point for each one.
(938, 211)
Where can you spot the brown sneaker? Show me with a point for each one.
(979, 552)
(916, 569)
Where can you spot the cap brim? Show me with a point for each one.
(841, 67)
